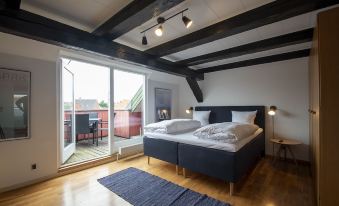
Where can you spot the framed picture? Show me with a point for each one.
(14, 104)
(163, 104)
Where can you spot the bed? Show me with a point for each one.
(213, 160)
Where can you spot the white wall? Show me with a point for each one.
(17, 156)
(42, 148)
(283, 84)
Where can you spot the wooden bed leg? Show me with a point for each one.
(177, 169)
(231, 188)
(148, 160)
(184, 172)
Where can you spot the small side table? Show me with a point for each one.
(284, 145)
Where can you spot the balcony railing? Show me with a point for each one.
(126, 123)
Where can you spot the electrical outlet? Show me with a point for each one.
(33, 166)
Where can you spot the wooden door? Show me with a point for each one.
(314, 112)
(328, 53)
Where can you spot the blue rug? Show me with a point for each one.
(141, 188)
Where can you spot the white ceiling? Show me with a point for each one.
(89, 14)
(82, 14)
(255, 55)
(203, 13)
(294, 24)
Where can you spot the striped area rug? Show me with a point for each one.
(140, 188)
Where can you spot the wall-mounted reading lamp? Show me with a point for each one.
(272, 112)
(189, 110)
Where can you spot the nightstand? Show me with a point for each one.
(284, 145)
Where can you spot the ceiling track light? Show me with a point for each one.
(159, 31)
(188, 22)
(161, 20)
(144, 40)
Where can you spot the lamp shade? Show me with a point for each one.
(188, 22)
(144, 40)
(272, 110)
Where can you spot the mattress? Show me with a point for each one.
(189, 138)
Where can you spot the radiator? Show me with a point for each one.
(129, 150)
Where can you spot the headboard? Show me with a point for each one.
(224, 114)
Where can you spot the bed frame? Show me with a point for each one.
(229, 166)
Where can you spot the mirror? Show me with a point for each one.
(14, 104)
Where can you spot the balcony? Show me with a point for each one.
(127, 125)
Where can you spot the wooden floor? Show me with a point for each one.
(267, 185)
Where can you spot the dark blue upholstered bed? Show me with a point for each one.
(229, 166)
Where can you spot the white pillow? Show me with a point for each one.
(202, 117)
(244, 117)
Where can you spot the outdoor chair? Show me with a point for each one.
(83, 126)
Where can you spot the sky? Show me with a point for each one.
(92, 82)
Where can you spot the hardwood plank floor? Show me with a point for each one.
(267, 184)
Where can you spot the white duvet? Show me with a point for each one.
(172, 126)
(226, 132)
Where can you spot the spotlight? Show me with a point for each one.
(188, 22)
(159, 31)
(144, 40)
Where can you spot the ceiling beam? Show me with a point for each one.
(261, 60)
(12, 4)
(259, 46)
(273, 12)
(29, 25)
(133, 15)
(195, 89)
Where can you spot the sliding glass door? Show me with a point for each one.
(129, 104)
(86, 111)
(102, 110)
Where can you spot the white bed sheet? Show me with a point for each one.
(189, 138)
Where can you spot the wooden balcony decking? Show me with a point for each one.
(127, 124)
(85, 150)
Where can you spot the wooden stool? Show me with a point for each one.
(285, 144)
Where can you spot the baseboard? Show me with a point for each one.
(85, 165)
(63, 171)
(28, 183)
(303, 162)
(123, 158)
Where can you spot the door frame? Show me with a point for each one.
(112, 65)
(70, 149)
(61, 109)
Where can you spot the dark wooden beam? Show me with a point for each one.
(195, 88)
(132, 16)
(10, 4)
(261, 60)
(263, 45)
(273, 12)
(26, 24)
